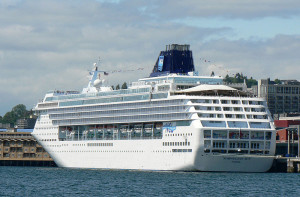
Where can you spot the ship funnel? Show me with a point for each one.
(175, 59)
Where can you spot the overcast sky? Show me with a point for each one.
(51, 44)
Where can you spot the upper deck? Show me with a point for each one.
(173, 74)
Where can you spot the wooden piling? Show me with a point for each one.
(290, 166)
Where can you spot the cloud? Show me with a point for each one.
(247, 9)
(275, 58)
(48, 45)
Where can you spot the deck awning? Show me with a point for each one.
(211, 89)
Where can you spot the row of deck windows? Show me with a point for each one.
(234, 144)
(181, 150)
(125, 151)
(237, 116)
(176, 143)
(111, 132)
(235, 102)
(118, 106)
(47, 140)
(235, 124)
(107, 93)
(100, 144)
(238, 109)
(237, 134)
(224, 151)
(120, 119)
(131, 112)
(106, 100)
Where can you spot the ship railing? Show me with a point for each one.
(286, 141)
(112, 138)
(138, 83)
(215, 94)
(64, 117)
(123, 120)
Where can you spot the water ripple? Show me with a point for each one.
(33, 181)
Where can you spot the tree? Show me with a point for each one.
(240, 78)
(113, 87)
(118, 87)
(9, 117)
(227, 79)
(0, 119)
(251, 82)
(124, 86)
(277, 81)
(19, 111)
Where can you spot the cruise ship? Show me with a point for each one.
(173, 120)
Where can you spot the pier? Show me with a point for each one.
(287, 146)
(286, 164)
(293, 164)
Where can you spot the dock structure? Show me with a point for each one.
(286, 164)
(293, 165)
(287, 146)
(21, 149)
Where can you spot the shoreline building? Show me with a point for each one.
(238, 86)
(26, 123)
(21, 149)
(6, 125)
(283, 99)
(287, 137)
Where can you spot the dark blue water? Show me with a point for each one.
(35, 181)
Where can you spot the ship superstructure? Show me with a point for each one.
(172, 120)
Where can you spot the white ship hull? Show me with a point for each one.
(164, 162)
(152, 155)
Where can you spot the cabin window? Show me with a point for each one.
(237, 109)
(255, 145)
(228, 115)
(220, 134)
(226, 109)
(224, 101)
(218, 108)
(217, 144)
(257, 135)
(215, 101)
(207, 133)
(207, 143)
(268, 135)
(240, 116)
(234, 101)
(245, 102)
(268, 145)
(234, 134)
